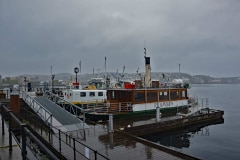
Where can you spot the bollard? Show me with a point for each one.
(110, 123)
(158, 114)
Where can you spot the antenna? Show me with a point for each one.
(179, 70)
(80, 66)
(145, 51)
(51, 69)
(123, 71)
(179, 67)
(105, 67)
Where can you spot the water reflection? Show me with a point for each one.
(178, 139)
(181, 138)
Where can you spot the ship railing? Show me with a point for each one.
(125, 107)
(93, 106)
(198, 105)
(109, 107)
(42, 112)
(200, 102)
(114, 107)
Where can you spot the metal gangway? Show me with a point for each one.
(52, 114)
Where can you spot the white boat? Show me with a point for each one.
(75, 94)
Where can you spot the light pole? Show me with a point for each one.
(25, 83)
(76, 70)
(53, 76)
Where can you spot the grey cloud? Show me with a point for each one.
(201, 35)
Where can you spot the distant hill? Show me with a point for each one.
(194, 79)
(161, 76)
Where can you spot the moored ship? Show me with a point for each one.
(134, 98)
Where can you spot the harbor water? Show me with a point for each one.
(217, 141)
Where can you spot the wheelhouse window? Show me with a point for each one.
(152, 96)
(124, 96)
(174, 94)
(82, 94)
(163, 95)
(139, 97)
(183, 94)
(100, 94)
(111, 95)
(91, 94)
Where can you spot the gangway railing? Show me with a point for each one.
(42, 112)
(72, 108)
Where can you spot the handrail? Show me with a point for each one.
(25, 134)
(38, 108)
(73, 108)
(56, 98)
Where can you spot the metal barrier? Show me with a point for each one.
(76, 148)
(45, 115)
(25, 135)
(65, 144)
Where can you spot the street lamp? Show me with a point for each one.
(53, 76)
(76, 70)
(25, 83)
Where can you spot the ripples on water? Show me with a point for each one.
(216, 141)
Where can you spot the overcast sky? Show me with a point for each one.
(202, 35)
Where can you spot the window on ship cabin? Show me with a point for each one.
(100, 94)
(91, 94)
(152, 96)
(163, 95)
(113, 95)
(174, 94)
(183, 94)
(139, 97)
(82, 94)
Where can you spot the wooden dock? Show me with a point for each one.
(203, 116)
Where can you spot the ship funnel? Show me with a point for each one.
(147, 70)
